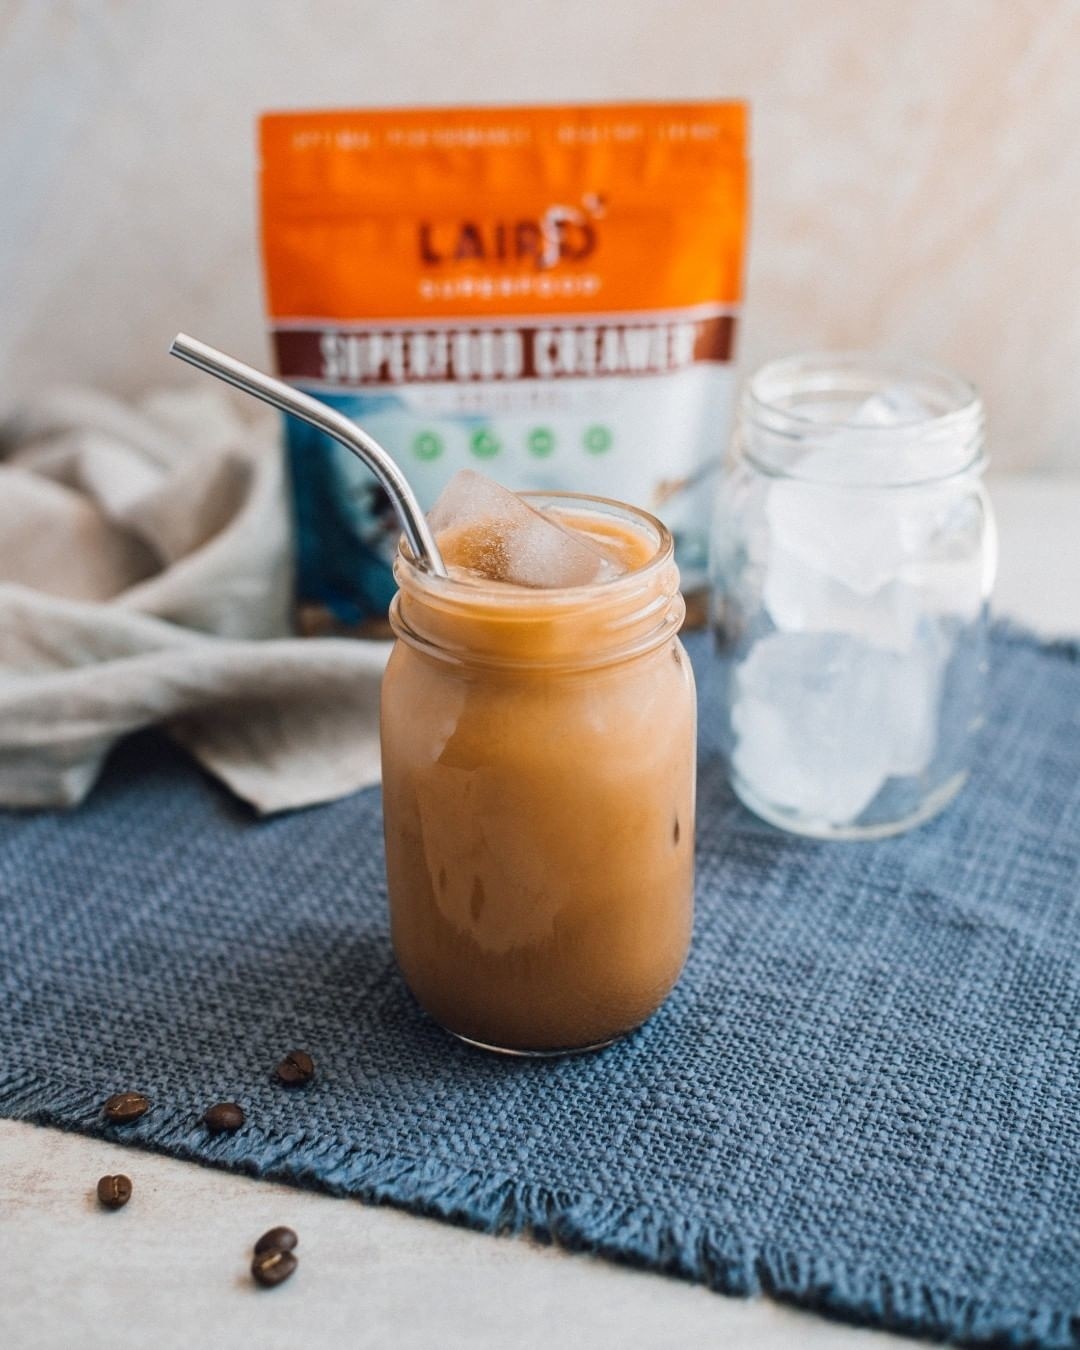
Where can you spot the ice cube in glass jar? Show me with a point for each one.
(486, 532)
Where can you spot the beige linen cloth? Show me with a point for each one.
(145, 578)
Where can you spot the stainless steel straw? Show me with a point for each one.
(280, 395)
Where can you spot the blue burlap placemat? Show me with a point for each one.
(863, 1096)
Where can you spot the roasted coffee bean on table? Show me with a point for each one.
(124, 1107)
(224, 1118)
(296, 1068)
(114, 1192)
(280, 1239)
(273, 1267)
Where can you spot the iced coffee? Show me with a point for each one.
(538, 734)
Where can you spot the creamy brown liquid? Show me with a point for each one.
(539, 830)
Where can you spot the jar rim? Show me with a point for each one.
(623, 616)
(531, 598)
(778, 410)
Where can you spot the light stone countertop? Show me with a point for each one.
(171, 1270)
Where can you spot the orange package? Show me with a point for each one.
(549, 294)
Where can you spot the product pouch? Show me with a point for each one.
(546, 294)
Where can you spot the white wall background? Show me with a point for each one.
(916, 178)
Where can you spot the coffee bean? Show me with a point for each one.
(280, 1239)
(224, 1118)
(273, 1267)
(124, 1107)
(296, 1068)
(114, 1192)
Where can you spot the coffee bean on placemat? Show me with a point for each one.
(280, 1239)
(124, 1107)
(273, 1267)
(114, 1192)
(224, 1118)
(296, 1068)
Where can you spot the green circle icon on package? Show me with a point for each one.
(598, 438)
(484, 444)
(426, 445)
(541, 442)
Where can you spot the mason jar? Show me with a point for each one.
(853, 556)
(538, 794)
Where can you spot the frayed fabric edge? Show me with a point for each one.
(1019, 635)
(691, 1248)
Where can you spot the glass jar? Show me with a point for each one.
(853, 556)
(538, 794)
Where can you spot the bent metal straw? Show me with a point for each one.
(282, 396)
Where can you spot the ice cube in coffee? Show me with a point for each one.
(538, 733)
(492, 534)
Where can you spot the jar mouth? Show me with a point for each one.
(478, 623)
(511, 596)
(858, 419)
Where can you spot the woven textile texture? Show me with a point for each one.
(864, 1094)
